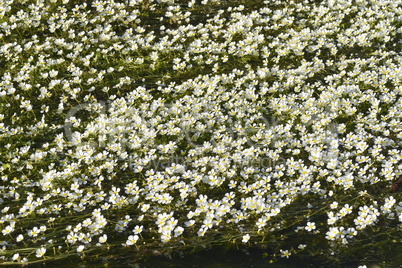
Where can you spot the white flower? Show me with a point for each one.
(285, 253)
(137, 229)
(20, 237)
(80, 248)
(301, 246)
(178, 231)
(331, 220)
(34, 232)
(53, 73)
(9, 229)
(40, 252)
(132, 239)
(332, 233)
(246, 238)
(103, 239)
(16, 256)
(310, 226)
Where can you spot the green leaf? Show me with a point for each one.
(6, 166)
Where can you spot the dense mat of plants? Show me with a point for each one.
(137, 128)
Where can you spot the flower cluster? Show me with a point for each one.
(100, 93)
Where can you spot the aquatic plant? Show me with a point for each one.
(157, 127)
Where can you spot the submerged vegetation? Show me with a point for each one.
(136, 128)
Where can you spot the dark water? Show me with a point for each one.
(218, 258)
(209, 258)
